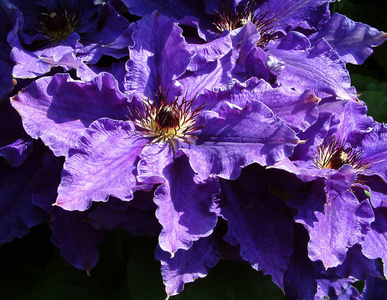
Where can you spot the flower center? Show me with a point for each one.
(334, 154)
(167, 122)
(229, 20)
(59, 22)
(167, 117)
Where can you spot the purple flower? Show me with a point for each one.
(347, 168)
(169, 138)
(203, 139)
(177, 143)
(65, 33)
(217, 16)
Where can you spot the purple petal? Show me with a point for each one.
(374, 145)
(375, 243)
(292, 12)
(294, 41)
(188, 265)
(250, 209)
(299, 282)
(248, 60)
(320, 70)
(232, 140)
(376, 189)
(214, 75)
(76, 239)
(332, 287)
(343, 223)
(101, 164)
(353, 41)
(112, 37)
(375, 288)
(308, 202)
(159, 55)
(298, 110)
(57, 109)
(355, 265)
(32, 64)
(354, 122)
(184, 220)
(211, 51)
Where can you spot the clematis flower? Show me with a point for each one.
(178, 143)
(294, 39)
(217, 16)
(166, 142)
(175, 142)
(340, 167)
(65, 33)
(200, 120)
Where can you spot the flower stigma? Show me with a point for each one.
(333, 154)
(167, 122)
(228, 20)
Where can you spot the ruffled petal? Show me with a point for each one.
(57, 109)
(352, 40)
(375, 243)
(184, 206)
(159, 55)
(188, 265)
(232, 140)
(250, 209)
(102, 164)
(320, 70)
(343, 223)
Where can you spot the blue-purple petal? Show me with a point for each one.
(250, 209)
(57, 109)
(184, 206)
(102, 164)
(352, 40)
(232, 140)
(159, 55)
(188, 265)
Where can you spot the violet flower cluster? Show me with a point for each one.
(225, 128)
